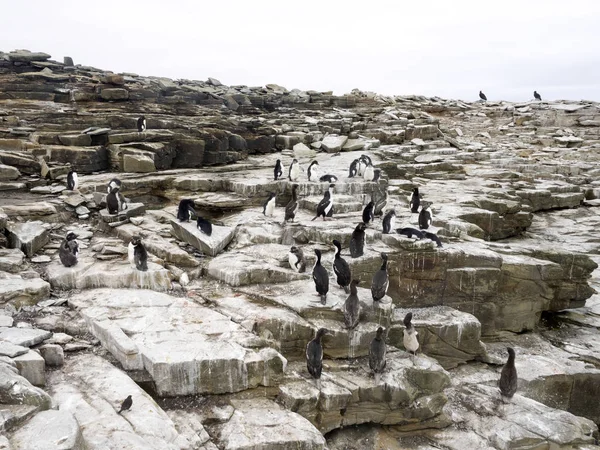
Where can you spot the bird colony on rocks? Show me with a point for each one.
(189, 265)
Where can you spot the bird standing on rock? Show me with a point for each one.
(185, 210)
(357, 241)
(115, 201)
(126, 405)
(425, 216)
(381, 280)
(278, 171)
(72, 181)
(314, 356)
(296, 259)
(321, 278)
(482, 96)
(269, 206)
(341, 268)
(325, 205)
(352, 306)
(141, 124)
(292, 207)
(389, 221)
(138, 256)
(69, 250)
(415, 201)
(367, 214)
(377, 352)
(508, 377)
(294, 172)
(114, 183)
(537, 96)
(353, 170)
(369, 173)
(313, 171)
(410, 341)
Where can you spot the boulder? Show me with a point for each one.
(16, 390)
(80, 140)
(32, 367)
(28, 236)
(26, 56)
(8, 173)
(53, 354)
(25, 337)
(133, 210)
(11, 259)
(11, 350)
(211, 245)
(333, 144)
(138, 163)
(20, 291)
(114, 94)
(49, 430)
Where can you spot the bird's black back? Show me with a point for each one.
(367, 215)
(140, 257)
(357, 243)
(204, 225)
(424, 218)
(314, 358)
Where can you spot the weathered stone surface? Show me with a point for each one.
(133, 210)
(138, 164)
(25, 337)
(8, 173)
(16, 390)
(211, 245)
(79, 140)
(49, 430)
(114, 94)
(11, 350)
(19, 291)
(28, 236)
(11, 259)
(53, 354)
(333, 144)
(31, 366)
(26, 56)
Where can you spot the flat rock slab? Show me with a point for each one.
(11, 259)
(16, 390)
(10, 417)
(264, 424)
(25, 337)
(28, 236)
(92, 389)
(49, 430)
(133, 210)
(211, 245)
(11, 350)
(22, 291)
(89, 274)
(185, 347)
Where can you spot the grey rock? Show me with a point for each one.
(80, 140)
(333, 144)
(53, 354)
(11, 259)
(41, 259)
(114, 94)
(8, 173)
(16, 390)
(18, 290)
(49, 430)
(11, 350)
(138, 164)
(81, 210)
(32, 367)
(25, 337)
(27, 56)
(6, 321)
(211, 245)
(28, 236)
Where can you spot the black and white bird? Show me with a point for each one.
(410, 232)
(326, 203)
(376, 174)
(278, 171)
(381, 280)
(204, 226)
(185, 210)
(482, 96)
(360, 167)
(377, 352)
(314, 356)
(415, 201)
(321, 278)
(508, 377)
(115, 201)
(328, 178)
(126, 405)
(138, 256)
(296, 259)
(369, 173)
(432, 236)
(292, 207)
(69, 250)
(366, 159)
(410, 341)
(269, 206)
(294, 172)
(114, 183)
(141, 124)
(389, 221)
(537, 96)
(353, 170)
(367, 214)
(352, 306)
(341, 268)
(357, 241)
(313, 171)
(72, 181)
(425, 216)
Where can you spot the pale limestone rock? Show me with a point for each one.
(11, 259)
(25, 337)
(28, 236)
(49, 430)
(18, 290)
(53, 354)
(32, 366)
(211, 245)
(11, 350)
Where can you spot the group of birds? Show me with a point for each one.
(537, 96)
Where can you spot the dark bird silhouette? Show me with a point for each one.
(415, 201)
(482, 96)
(278, 171)
(72, 180)
(296, 259)
(69, 250)
(537, 96)
(314, 356)
(410, 232)
(115, 201)
(126, 405)
(185, 210)
(292, 207)
(326, 203)
(341, 268)
(141, 124)
(432, 236)
(352, 306)
(367, 214)
(269, 205)
(321, 278)
(204, 226)
(357, 241)
(381, 280)
(425, 217)
(313, 171)
(389, 221)
(353, 170)
(508, 377)
(138, 255)
(328, 178)
(377, 353)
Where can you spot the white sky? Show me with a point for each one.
(449, 48)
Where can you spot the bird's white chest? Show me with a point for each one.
(295, 172)
(270, 207)
(75, 181)
(410, 340)
(131, 253)
(293, 259)
(368, 175)
(360, 168)
(314, 173)
(392, 223)
(329, 205)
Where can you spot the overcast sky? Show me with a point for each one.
(446, 48)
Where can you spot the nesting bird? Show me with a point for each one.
(410, 341)
(415, 201)
(141, 124)
(367, 214)
(269, 206)
(410, 232)
(482, 96)
(389, 221)
(321, 278)
(292, 207)
(69, 250)
(126, 405)
(328, 178)
(377, 352)
(313, 171)
(278, 171)
(296, 259)
(381, 280)
(352, 306)
(115, 201)
(432, 236)
(508, 377)
(341, 268)
(138, 256)
(204, 226)
(425, 216)
(185, 210)
(294, 172)
(72, 181)
(314, 356)
(357, 241)
(326, 203)
(537, 96)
